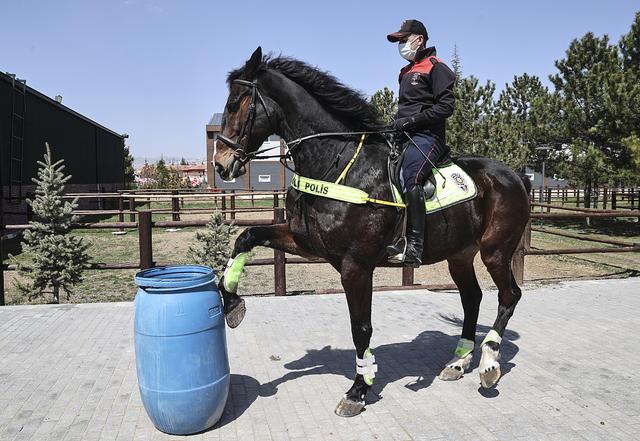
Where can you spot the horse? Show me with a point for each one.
(293, 99)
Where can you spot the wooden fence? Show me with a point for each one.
(142, 220)
(603, 197)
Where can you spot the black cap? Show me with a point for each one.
(407, 28)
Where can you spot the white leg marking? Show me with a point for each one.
(489, 367)
(456, 368)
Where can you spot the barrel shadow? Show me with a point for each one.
(243, 391)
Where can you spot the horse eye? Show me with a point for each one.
(233, 105)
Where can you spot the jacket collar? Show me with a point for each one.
(424, 53)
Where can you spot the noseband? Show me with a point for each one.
(240, 153)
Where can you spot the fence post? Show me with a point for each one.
(605, 194)
(614, 194)
(279, 264)
(175, 205)
(548, 199)
(517, 260)
(224, 205)
(120, 209)
(145, 239)
(275, 200)
(407, 276)
(577, 191)
(253, 200)
(233, 204)
(132, 209)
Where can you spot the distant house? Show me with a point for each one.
(262, 174)
(196, 173)
(552, 181)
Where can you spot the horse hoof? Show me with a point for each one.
(489, 376)
(349, 408)
(451, 373)
(236, 314)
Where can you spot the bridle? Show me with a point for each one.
(239, 150)
(240, 154)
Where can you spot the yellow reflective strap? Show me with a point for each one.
(355, 155)
(329, 190)
(393, 204)
(335, 191)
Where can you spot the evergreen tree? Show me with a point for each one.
(212, 246)
(129, 172)
(166, 177)
(385, 105)
(600, 98)
(524, 117)
(456, 65)
(467, 128)
(57, 258)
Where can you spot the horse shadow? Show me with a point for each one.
(419, 361)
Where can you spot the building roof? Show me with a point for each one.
(216, 120)
(32, 91)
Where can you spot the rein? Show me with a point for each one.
(239, 150)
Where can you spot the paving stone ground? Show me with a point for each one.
(569, 362)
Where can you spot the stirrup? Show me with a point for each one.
(399, 257)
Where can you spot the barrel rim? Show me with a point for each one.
(197, 275)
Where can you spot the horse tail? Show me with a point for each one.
(526, 181)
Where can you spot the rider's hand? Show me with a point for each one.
(404, 124)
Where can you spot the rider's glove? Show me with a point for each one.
(406, 124)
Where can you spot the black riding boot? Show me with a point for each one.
(412, 255)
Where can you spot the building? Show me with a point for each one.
(93, 154)
(196, 173)
(551, 181)
(262, 174)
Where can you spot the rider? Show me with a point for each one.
(425, 100)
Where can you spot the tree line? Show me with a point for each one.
(586, 128)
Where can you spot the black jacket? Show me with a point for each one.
(426, 93)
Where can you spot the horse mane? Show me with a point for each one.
(349, 104)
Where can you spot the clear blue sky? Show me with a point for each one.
(156, 69)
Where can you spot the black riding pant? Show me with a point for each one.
(415, 169)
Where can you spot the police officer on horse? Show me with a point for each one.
(425, 101)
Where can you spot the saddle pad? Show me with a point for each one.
(458, 188)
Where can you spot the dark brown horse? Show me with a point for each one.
(292, 99)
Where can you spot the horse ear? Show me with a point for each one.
(251, 68)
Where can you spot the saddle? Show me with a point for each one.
(395, 162)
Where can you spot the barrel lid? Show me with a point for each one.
(176, 276)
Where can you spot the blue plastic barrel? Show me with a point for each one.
(181, 348)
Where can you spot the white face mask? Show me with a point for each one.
(406, 51)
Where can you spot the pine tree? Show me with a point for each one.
(129, 172)
(212, 245)
(456, 65)
(57, 258)
(385, 105)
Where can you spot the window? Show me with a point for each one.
(264, 178)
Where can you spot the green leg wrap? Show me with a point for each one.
(464, 348)
(233, 271)
(366, 366)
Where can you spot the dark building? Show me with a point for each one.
(262, 174)
(92, 153)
